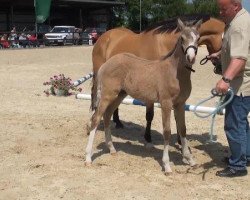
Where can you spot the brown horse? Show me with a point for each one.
(149, 81)
(152, 44)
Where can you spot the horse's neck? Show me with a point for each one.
(211, 34)
(212, 26)
(161, 44)
(177, 59)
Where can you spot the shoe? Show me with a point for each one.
(229, 172)
(226, 160)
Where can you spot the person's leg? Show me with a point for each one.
(248, 144)
(247, 103)
(235, 128)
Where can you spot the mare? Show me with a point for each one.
(149, 81)
(152, 44)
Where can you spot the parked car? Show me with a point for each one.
(91, 35)
(62, 35)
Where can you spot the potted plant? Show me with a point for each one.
(60, 86)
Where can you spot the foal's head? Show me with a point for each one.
(189, 40)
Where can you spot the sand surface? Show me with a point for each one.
(43, 139)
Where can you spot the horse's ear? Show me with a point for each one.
(198, 24)
(180, 24)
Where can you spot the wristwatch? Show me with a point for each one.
(226, 80)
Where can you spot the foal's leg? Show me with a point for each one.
(95, 120)
(179, 112)
(149, 118)
(166, 107)
(107, 117)
(116, 119)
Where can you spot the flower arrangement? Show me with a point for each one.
(60, 86)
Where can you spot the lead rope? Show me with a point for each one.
(218, 109)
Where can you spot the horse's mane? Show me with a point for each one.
(170, 24)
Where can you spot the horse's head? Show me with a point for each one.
(189, 38)
(211, 33)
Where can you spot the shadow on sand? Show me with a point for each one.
(134, 132)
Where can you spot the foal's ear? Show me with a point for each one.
(198, 24)
(180, 24)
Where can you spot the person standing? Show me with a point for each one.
(235, 60)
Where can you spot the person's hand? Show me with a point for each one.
(214, 57)
(222, 87)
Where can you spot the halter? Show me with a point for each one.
(185, 52)
(190, 47)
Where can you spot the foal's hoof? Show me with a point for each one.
(169, 173)
(189, 162)
(113, 152)
(185, 161)
(195, 166)
(88, 164)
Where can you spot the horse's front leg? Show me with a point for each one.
(116, 119)
(179, 112)
(179, 115)
(149, 118)
(166, 107)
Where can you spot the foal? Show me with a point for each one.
(149, 81)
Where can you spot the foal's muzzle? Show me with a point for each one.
(191, 59)
(191, 47)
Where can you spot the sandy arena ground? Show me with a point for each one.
(43, 140)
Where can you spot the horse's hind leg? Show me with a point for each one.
(95, 120)
(106, 119)
(166, 107)
(116, 119)
(149, 118)
(179, 112)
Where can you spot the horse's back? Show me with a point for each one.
(102, 47)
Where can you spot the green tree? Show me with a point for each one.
(204, 6)
(153, 11)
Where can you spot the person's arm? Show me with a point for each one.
(236, 66)
(239, 47)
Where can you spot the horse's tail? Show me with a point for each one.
(98, 58)
(93, 92)
(95, 97)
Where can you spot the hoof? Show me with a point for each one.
(149, 145)
(167, 170)
(169, 173)
(88, 164)
(185, 161)
(113, 152)
(119, 125)
(195, 166)
(189, 162)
